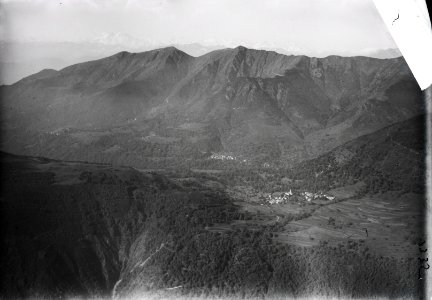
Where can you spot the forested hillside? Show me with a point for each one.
(390, 159)
(158, 108)
(88, 229)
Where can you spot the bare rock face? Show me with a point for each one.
(237, 99)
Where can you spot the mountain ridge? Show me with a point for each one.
(125, 53)
(245, 97)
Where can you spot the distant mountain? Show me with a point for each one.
(385, 53)
(196, 49)
(21, 59)
(158, 106)
(24, 58)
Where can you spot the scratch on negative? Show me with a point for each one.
(395, 19)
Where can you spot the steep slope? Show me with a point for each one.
(69, 229)
(391, 159)
(255, 104)
(99, 93)
(93, 231)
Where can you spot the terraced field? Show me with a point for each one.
(388, 224)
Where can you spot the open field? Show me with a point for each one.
(387, 224)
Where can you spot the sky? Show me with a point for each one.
(308, 26)
(42, 34)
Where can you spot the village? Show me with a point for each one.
(59, 131)
(286, 197)
(225, 157)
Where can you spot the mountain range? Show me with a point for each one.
(145, 109)
(21, 58)
(149, 175)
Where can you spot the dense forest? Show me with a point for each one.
(81, 229)
(391, 159)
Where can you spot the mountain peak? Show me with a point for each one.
(122, 54)
(171, 50)
(241, 48)
(166, 51)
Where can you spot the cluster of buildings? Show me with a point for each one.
(279, 197)
(313, 196)
(222, 157)
(284, 197)
(59, 131)
(225, 157)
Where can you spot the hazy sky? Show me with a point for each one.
(311, 26)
